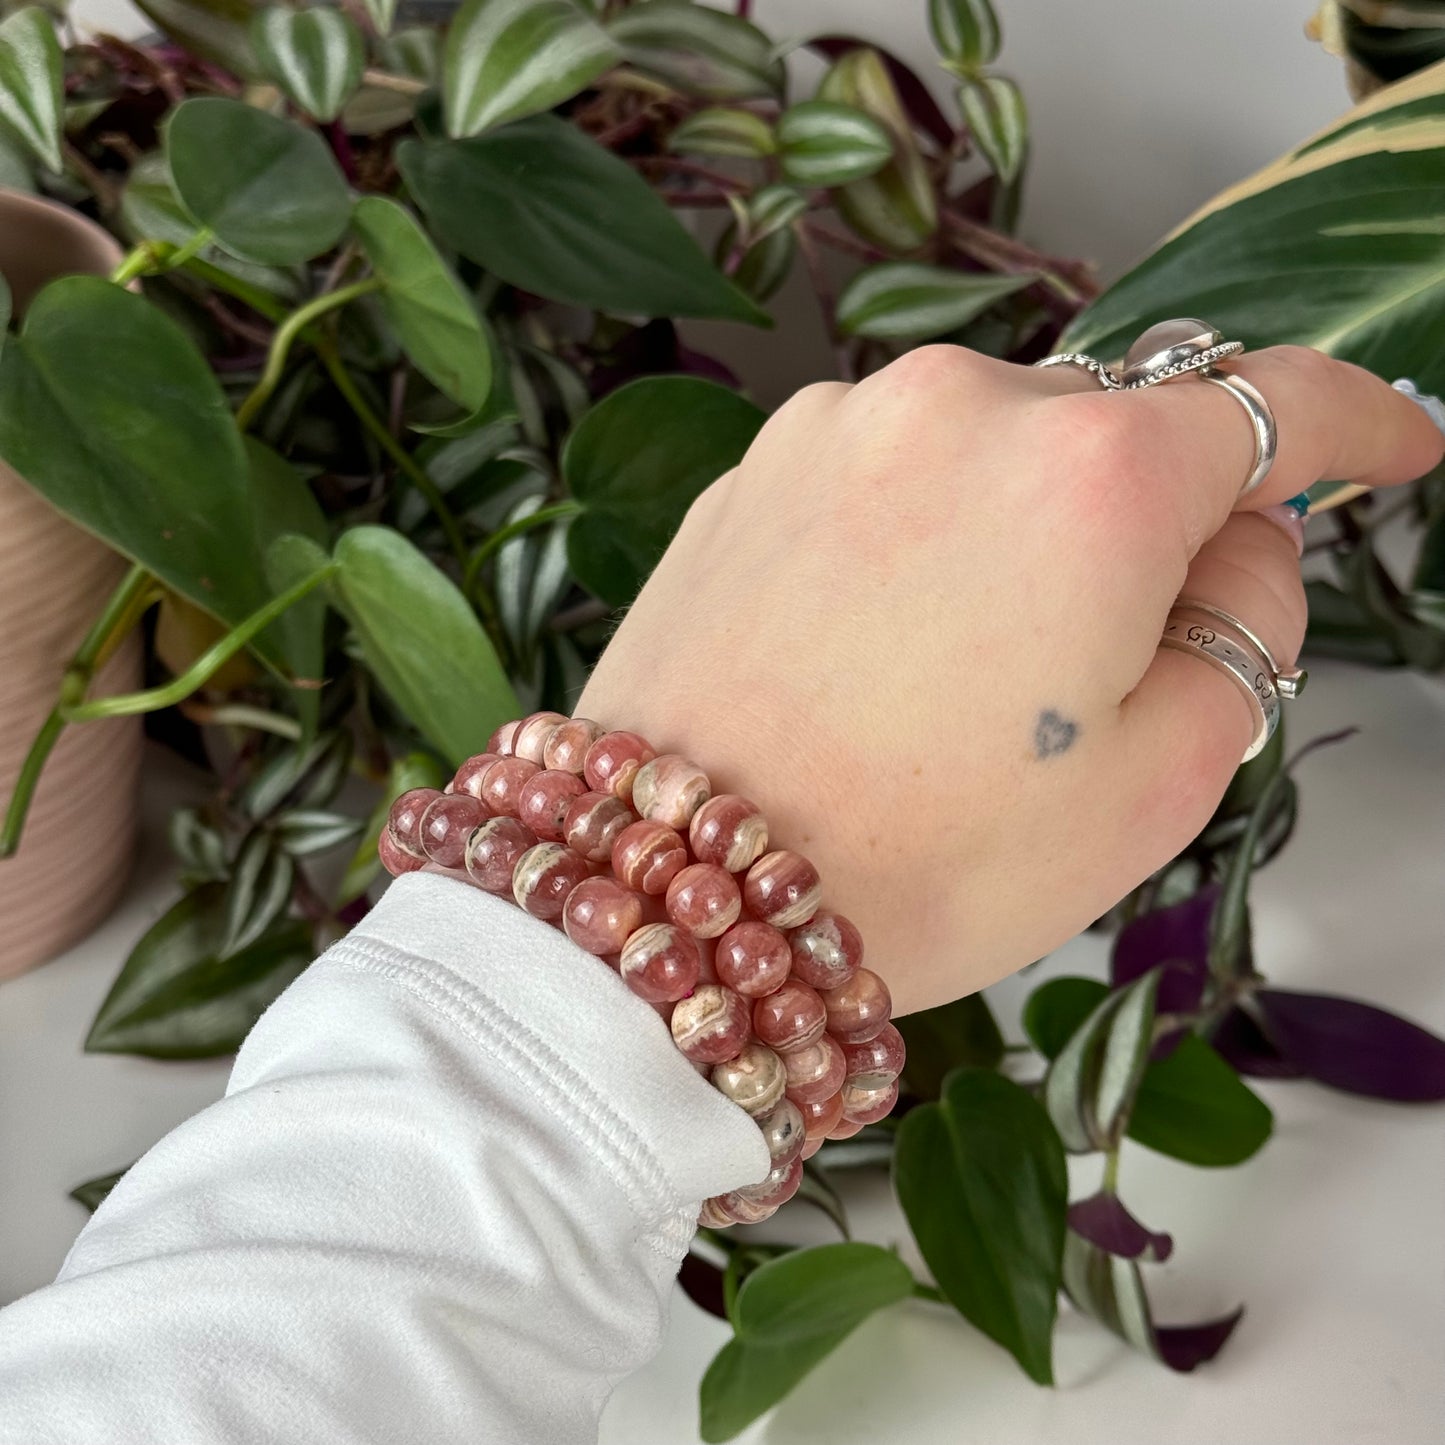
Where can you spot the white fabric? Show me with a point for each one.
(444, 1199)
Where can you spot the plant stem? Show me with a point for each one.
(258, 300)
(1110, 1184)
(121, 613)
(286, 333)
(499, 539)
(139, 260)
(401, 84)
(204, 667)
(405, 462)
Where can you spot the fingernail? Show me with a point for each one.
(1289, 517)
(1432, 406)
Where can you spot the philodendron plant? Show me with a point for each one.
(400, 415)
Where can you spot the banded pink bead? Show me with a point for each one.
(660, 963)
(447, 824)
(711, 1025)
(704, 899)
(729, 831)
(544, 876)
(753, 958)
(782, 888)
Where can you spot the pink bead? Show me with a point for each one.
(531, 737)
(753, 958)
(820, 1115)
(543, 878)
(729, 831)
(593, 824)
(712, 1215)
(404, 820)
(566, 749)
(814, 1072)
(648, 856)
(612, 763)
(395, 860)
(501, 785)
(503, 741)
(783, 1129)
(468, 777)
(493, 851)
(782, 888)
(761, 1201)
(704, 899)
(845, 1128)
(447, 824)
(543, 802)
(601, 915)
(827, 950)
(669, 789)
(711, 1025)
(877, 1061)
(754, 1080)
(660, 963)
(790, 1018)
(867, 1106)
(812, 1147)
(858, 1010)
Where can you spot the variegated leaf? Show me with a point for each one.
(993, 106)
(315, 56)
(965, 32)
(826, 144)
(722, 132)
(910, 300)
(698, 50)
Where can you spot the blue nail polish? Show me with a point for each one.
(1432, 406)
(1299, 505)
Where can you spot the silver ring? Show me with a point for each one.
(1289, 681)
(1104, 375)
(1240, 663)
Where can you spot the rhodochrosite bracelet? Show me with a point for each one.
(633, 856)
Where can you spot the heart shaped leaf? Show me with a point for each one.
(790, 1314)
(822, 143)
(699, 50)
(31, 75)
(982, 1178)
(993, 106)
(435, 319)
(422, 641)
(316, 56)
(549, 210)
(508, 58)
(178, 998)
(267, 187)
(910, 300)
(636, 462)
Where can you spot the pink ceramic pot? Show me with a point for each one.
(54, 580)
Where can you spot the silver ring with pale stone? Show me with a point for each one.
(1187, 347)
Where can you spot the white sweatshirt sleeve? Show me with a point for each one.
(444, 1199)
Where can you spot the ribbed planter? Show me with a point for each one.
(54, 580)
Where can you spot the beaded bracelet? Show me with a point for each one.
(632, 855)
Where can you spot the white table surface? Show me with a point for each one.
(1334, 1236)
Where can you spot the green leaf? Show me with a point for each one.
(549, 210)
(1111, 1289)
(822, 143)
(16, 173)
(1339, 245)
(961, 1034)
(982, 1179)
(636, 462)
(433, 314)
(422, 641)
(167, 483)
(267, 187)
(4, 311)
(316, 56)
(1091, 1084)
(93, 1192)
(994, 108)
(719, 132)
(31, 76)
(772, 209)
(790, 1314)
(1056, 1009)
(382, 13)
(258, 893)
(177, 998)
(965, 33)
(909, 300)
(698, 50)
(1192, 1106)
(218, 30)
(505, 59)
(896, 208)
(305, 831)
(411, 770)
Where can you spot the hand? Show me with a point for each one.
(918, 626)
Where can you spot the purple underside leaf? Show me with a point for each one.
(1355, 1046)
(1182, 1347)
(1240, 1042)
(702, 1283)
(1178, 938)
(917, 99)
(1103, 1220)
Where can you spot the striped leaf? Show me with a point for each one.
(315, 56)
(381, 13)
(824, 143)
(699, 51)
(965, 32)
(1340, 244)
(909, 300)
(30, 82)
(722, 132)
(508, 58)
(994, 109)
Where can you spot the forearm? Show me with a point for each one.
(444, 1198)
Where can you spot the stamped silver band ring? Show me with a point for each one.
(1240, 663)
(1289, 681)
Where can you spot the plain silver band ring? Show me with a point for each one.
(1238, 661)
(1261, 418)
